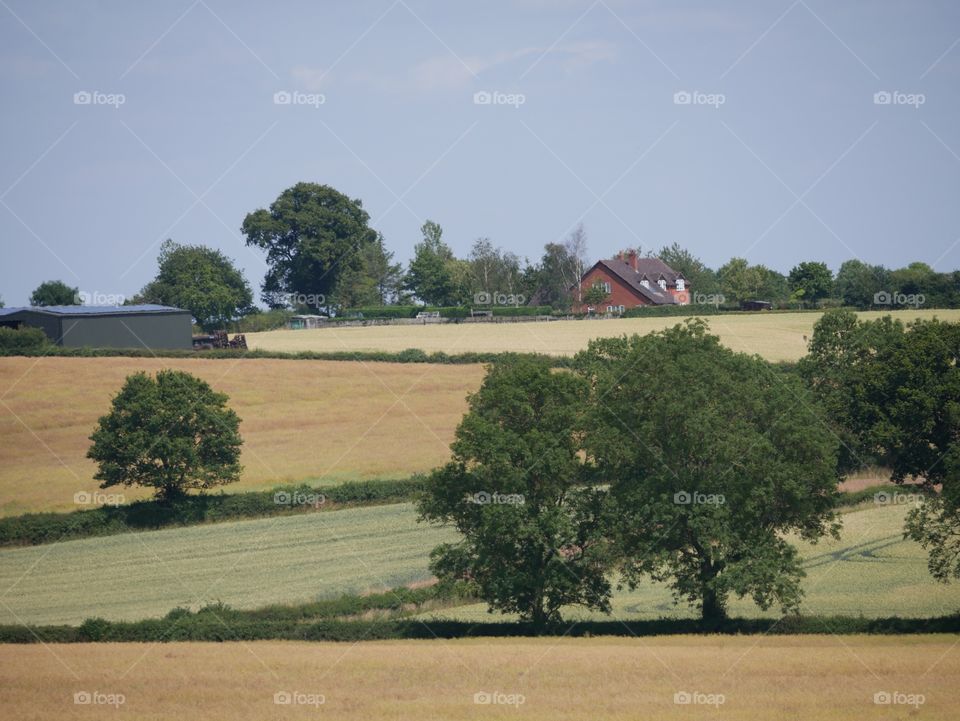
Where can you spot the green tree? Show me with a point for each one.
(202, 280)
(699, 277)
(311, 233)
(430, 275)
(533, 534)
(552, 280)
(893, 394)
(707, 471)
(857, 283)
(814, 280)
(171, 433)
(55, 292)
(376, 282)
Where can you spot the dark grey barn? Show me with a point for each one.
(124, 326)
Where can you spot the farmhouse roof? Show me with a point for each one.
(632, 278)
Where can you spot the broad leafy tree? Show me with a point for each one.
(433, 275)
(699, 277)
(311, 233)
(376, 282)
(857, 283)
(893, 392)
(533, 534)
(712, 458)
(813, 280)
(172, 433)
(202, 280)
(55, 292)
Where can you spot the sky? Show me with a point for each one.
(779, 131)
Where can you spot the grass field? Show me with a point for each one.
(245, 564)
(775, 336)
(871, 571)
(814, 678)
(300, 420)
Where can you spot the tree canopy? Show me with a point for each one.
(172, 433)
(202, 280)
(55, 292)
(711, 457)
(312, 234)
(533, 537)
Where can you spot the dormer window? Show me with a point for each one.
(681, 284)
(645, 283)
(662, 283)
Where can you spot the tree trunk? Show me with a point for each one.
(713, 608)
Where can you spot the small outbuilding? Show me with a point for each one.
(123, 326)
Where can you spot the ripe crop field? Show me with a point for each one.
(870, 571)
(775, 336)
(816, 678)
(300, 420)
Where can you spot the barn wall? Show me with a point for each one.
(151, 330)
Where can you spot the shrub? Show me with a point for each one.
(24, 338)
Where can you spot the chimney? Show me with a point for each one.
(632, 258)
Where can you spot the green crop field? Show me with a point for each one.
(244, 564)
(775, 336)
(872, 570)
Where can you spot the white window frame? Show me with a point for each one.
(645, 283)
(662, 283)
(681, 284)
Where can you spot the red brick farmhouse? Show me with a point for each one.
(631, 281)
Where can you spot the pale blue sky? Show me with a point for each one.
(798, 162)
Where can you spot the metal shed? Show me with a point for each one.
(123, 326)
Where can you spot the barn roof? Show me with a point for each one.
(87, 310)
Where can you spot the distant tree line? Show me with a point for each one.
(323, 257)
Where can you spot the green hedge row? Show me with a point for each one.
(410, 355)
(40, 528)
(218, 623)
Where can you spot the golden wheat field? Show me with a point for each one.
(775, 336)
(300, 420)
(814, 678)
